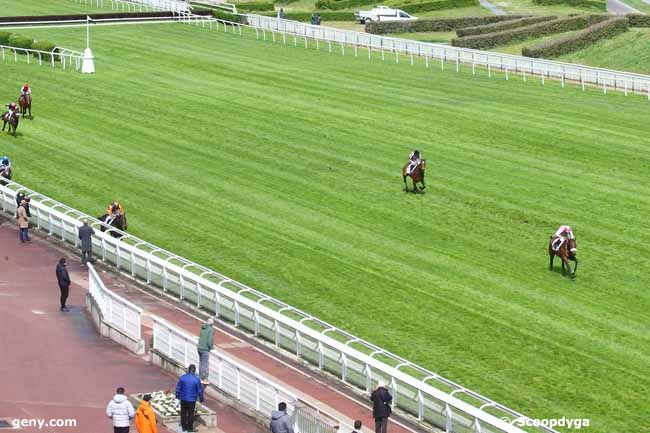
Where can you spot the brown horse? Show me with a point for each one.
(11, 120)
(567, 252)
(25, 102)
(417, 175)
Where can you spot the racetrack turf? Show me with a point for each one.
(280, 167)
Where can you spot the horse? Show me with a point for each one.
(417, 175)
(25, 102)
(118, 222)
(12, 121)
(5, 173)
(567, 252)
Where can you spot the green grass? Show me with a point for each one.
(280, 167)
(49, 7)
(528, 7)
(628, 52)
(516, 47)
(437, 37)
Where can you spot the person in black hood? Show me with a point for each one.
(280, 420)
(63, 279)
(381, 409)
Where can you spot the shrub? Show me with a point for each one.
(255, 7)
(600, 5)
(414, 8)
(582, 39)
(638, 20)
(44, 46)
(342, 4)
(435, 24)
(20, 41)
(560, 25)
(226, 16)
(501, 26)
(4, 38)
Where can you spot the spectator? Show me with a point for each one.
(381, 410)
(120, 410)
(188, 389)
(312, 19)
(86, 236)
(318, 19)
(23, 221)
(145, 418)
(204, 348)
(357, 427)
(281, 13)
(64, 282)
(280, 420)
(19, 198)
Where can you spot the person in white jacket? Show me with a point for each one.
(121, 411)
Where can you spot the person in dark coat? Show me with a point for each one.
(381, 410)
(86, 237)
(64, 282)
(188, 390)
(280, 420)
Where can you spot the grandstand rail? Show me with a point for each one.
(606, 79)
(433, 399)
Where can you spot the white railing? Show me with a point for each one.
(606, 79)
(116, 311)
(177, 6)
(247, 386)
(58, 55)
(430, 397)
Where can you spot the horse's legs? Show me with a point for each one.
(575, 268)
(422, 182)
(406, 187)
(550, 268)
(563, 266)
(415, 186)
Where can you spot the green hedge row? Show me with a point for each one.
(582, 39)
(501, 26)
(4, 38)
(413, 8)
(324, 16)
(342, 4)
(253, 6)
(20, 41)
(490, 40)
(227, 16)
(600, 5)
(638, 20)
(435, 24)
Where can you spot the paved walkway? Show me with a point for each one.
(54, 365)
(64, 353)
(617, 7)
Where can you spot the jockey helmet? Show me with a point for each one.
(416, 153)
(4, 160)
(12, 105)
(25, 86)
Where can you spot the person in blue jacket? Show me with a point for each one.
(188, 390)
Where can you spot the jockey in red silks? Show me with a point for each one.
(414, 161)
(561, 235)
(25, 90)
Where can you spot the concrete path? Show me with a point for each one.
(494, 9)
(53, 364)
(617, 7)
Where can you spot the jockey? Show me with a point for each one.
(414, 161)
(561, 235)
(5, 162)
(13, 109)
(25, 90)
(115, 209)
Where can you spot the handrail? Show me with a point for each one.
(212, 286)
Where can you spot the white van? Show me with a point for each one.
(382, 13)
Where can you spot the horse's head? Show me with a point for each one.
(423, 164)
(572, 247)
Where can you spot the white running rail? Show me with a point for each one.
(58, 56)
(116, 311)
(606, 79)
(430, 397)
(247, 386)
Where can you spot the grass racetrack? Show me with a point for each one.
(280, 167)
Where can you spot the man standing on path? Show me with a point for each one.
(204, 348)
(86, 237)
(23, 221)
(188, 389)
(145, 418)
(120, 410)
(280, 420)
(64, 282)
(381, 410)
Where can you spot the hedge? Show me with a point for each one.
(324, 16)
(592, 4)
(342, 4)
(44, 46)
(414, 8)
(490, 40)
(434, 24)
(582, 39)
(71, 17)
(246, 7)
(226, 16)
(638, 20)
(19, 41)
(4, 38)
(501, 26)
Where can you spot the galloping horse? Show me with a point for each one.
(417, 175)
(5, 173)
(25, 102)
(13, 122)
(118, 222)
(566, 252)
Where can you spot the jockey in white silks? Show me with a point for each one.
(414, 161)
(561, 235)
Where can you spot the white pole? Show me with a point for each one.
(87, 31)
